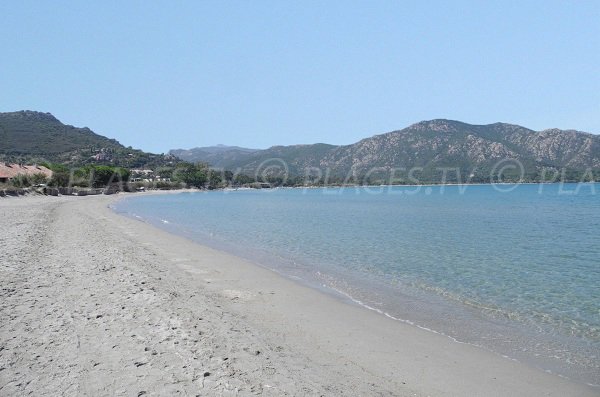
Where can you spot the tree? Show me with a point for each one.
(214, 179)
(191, 174)
(104, 175)
(39, 178)
(61, 175)
(20, 181)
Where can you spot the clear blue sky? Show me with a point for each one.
(178, 74)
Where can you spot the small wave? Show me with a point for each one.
(412, 323)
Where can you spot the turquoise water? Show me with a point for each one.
(516, 272)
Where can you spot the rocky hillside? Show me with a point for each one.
(477, 151)
(217, 155)
(29, 136)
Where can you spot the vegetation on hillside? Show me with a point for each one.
(35, 137)
(436, 151)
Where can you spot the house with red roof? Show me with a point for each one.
(9, 171)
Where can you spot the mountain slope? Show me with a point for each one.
(432, 146)
(296, 157)
(28, 132)
(29, 136)
(217, 155)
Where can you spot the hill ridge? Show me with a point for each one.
(28, 136)
(430, 144)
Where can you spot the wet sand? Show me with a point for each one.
(93, 303)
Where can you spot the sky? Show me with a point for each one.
(179, 74)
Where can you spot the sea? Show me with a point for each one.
(514, 269)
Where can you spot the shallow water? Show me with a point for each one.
(516, 272)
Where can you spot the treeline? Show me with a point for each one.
(94, 176)
(432, 175)
(201, 176)
(183, 174)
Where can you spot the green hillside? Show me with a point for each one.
(477, 151)
(29, 136)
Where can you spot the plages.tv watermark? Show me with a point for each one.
(503, 176)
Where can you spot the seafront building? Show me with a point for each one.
(10, 171)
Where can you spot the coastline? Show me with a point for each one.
(262, 333)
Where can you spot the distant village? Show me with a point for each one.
(146, 176)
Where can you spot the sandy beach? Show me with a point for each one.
(93, 303)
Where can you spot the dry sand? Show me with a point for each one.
(92, 303)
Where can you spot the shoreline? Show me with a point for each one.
(25, 192)
(310, 343)
(499, 337)
(343, 297)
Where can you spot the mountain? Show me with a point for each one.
(29, 136)
(434, 146)
(28, 132)
(211, 154)
(296, 157)
(224, 148)
(429, 151)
